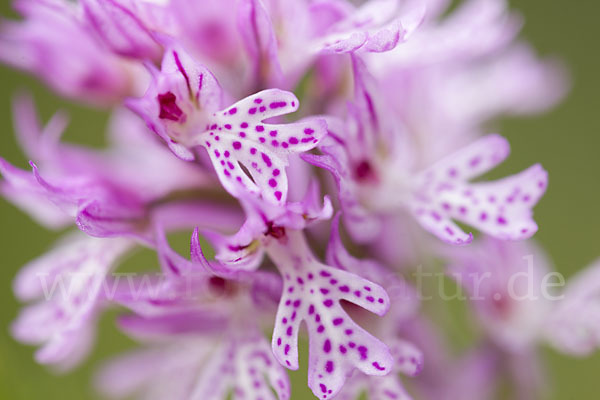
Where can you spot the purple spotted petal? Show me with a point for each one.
(239, 136)
(499, 208)
(312, 293)
(68, 282)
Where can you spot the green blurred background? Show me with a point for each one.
(566, 141)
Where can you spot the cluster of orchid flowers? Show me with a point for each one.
(395, 95)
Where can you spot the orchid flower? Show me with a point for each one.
(369, 178)
(206, 137)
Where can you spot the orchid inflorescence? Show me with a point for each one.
(392, 101)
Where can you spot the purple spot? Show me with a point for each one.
(328, 303)
(227, 126)
(343, 349)
(311, 309)
(297, 303)
(244, 125)
(474, 161)
(320, 329)
(272, 182)
(483, 216)
(289, 331)
(308, 131)
(278, 195)
(376, 365)
(362, 350)
(501, 220)
(259, 128)
(344, 289)
(252, 110)
(327, 346)
(266, 159)
(232, 111)
(329, 367)
(253, 151)
(338, 321)
(277, 104)
(258, 100)
(293, 140)
(169, 108)
(325, 274)
(286, 349)
(278, 341)
(237, 145)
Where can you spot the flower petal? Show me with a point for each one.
(312, 293)
(499, 208)
(70, 279)
(117, 23)
(238, 136)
